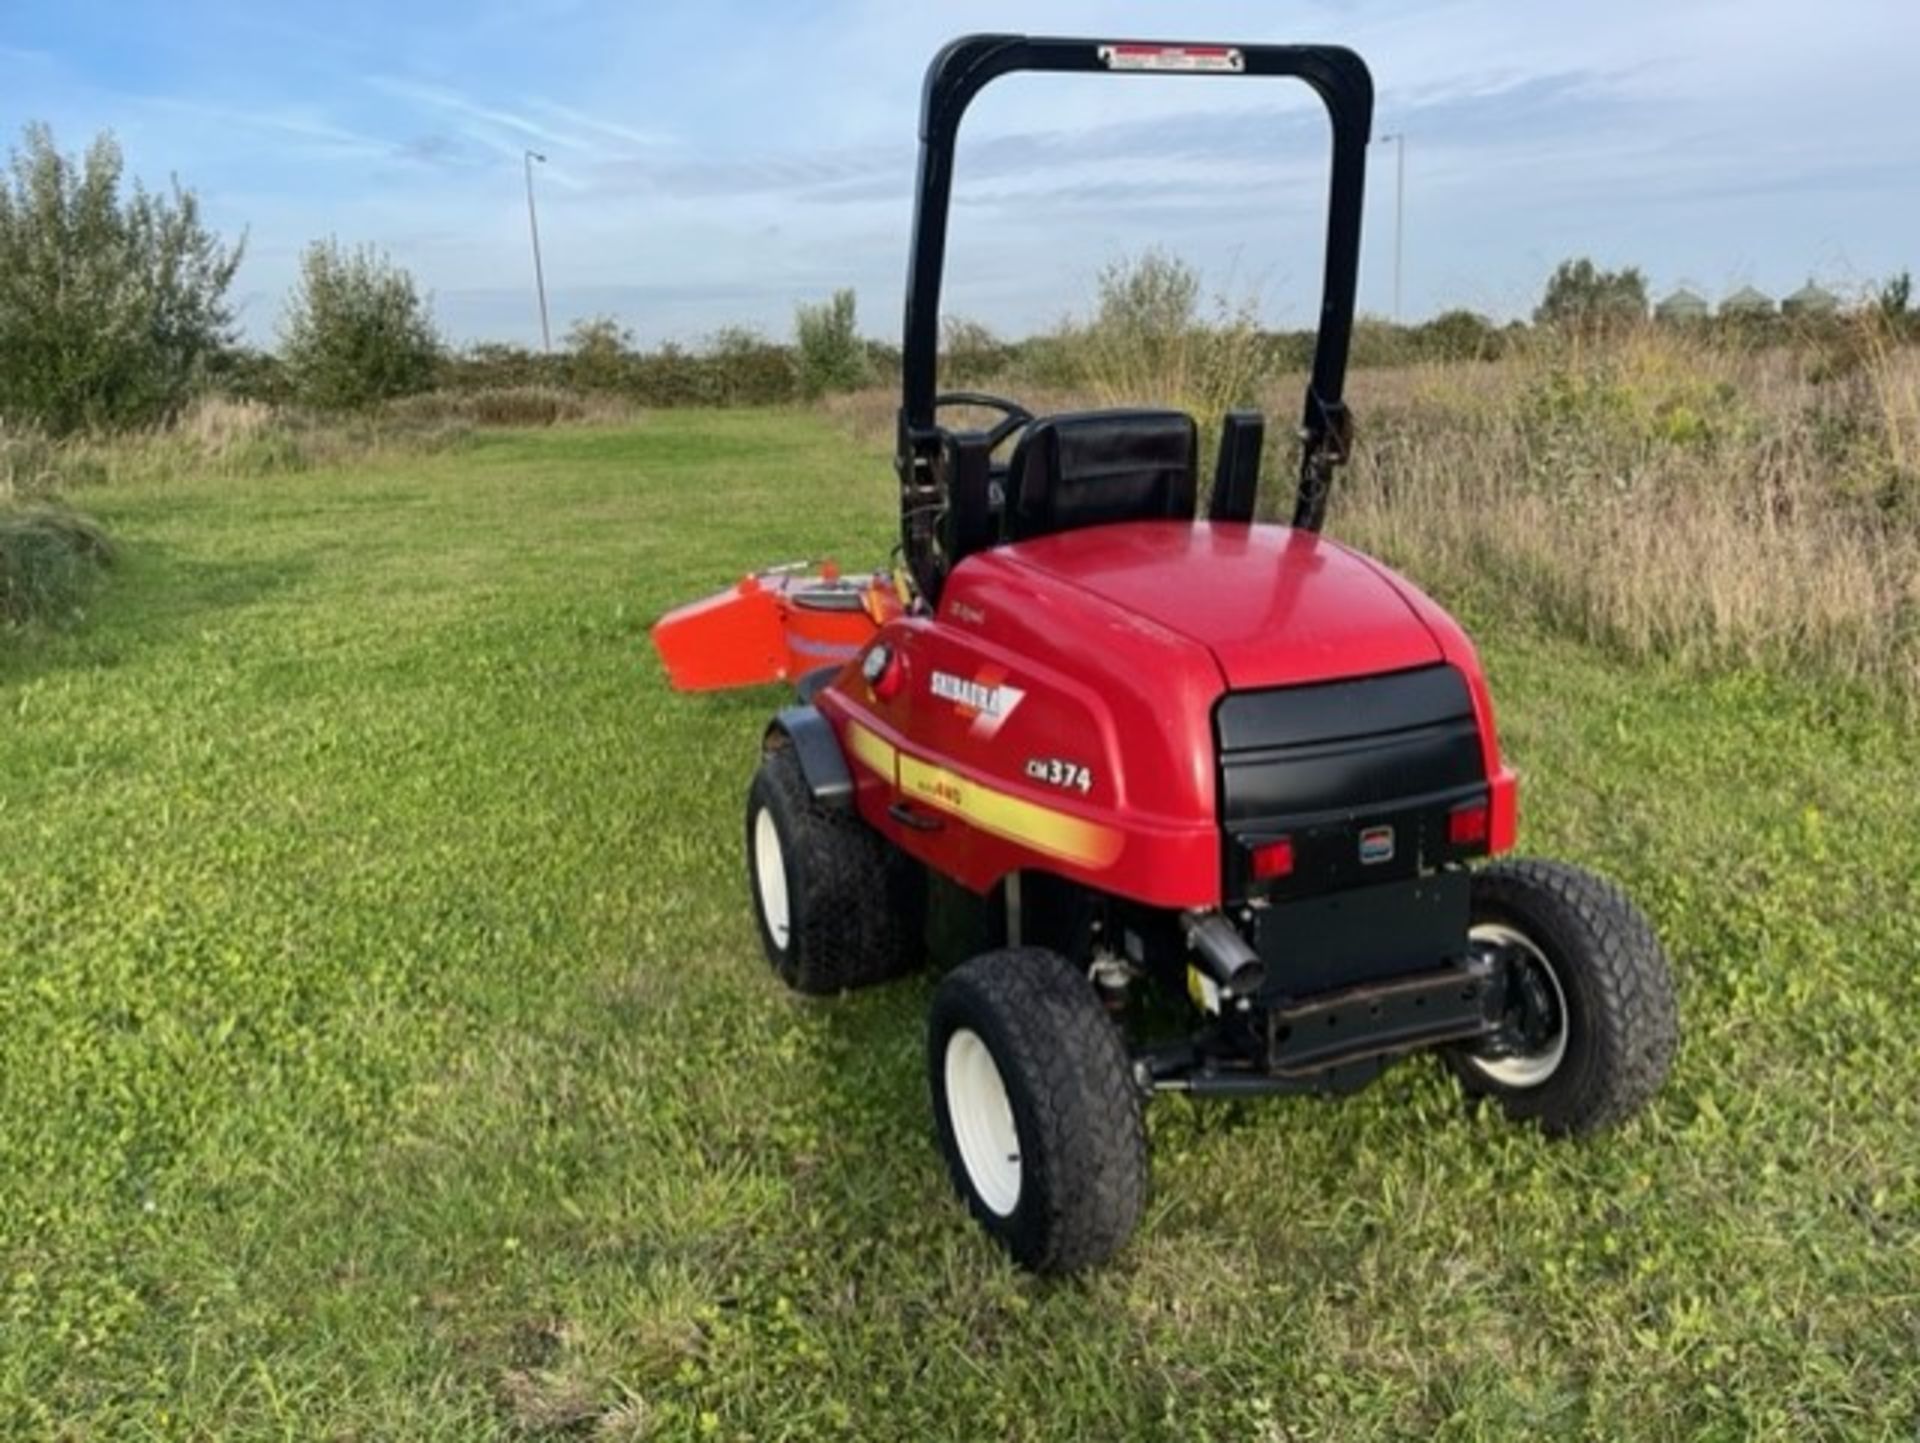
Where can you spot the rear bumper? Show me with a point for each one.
(1353, 980)
(1377, 1019)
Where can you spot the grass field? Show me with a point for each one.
(387, 1054)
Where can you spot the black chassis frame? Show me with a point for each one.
(1308, 1037)
(955, 77)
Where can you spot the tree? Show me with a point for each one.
(829, 355)
(1896, 297)
(1582, 296)
(112, 303)
(356, 329)
(598, 349)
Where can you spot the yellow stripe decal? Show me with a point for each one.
(1058, 834)
(871, 748)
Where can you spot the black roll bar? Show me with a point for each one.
(965, 67)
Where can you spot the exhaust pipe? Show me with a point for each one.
(1224, 955)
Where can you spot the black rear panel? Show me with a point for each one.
(1359, 775)
(1364, 934)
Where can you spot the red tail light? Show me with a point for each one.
(1273, 859)
(1467, 825)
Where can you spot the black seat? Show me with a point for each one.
(1089, 468)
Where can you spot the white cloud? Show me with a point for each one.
(710, 164)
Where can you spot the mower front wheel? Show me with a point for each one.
(1038, 1116)
(1594, 1009)
(837, 907)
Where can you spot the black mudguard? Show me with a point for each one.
(818, 750)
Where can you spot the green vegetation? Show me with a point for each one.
(733, 367)
(113, 319)
(1664, 497)
(49, 558)
(599, 349)
(1581, 296)
(1654, 492)
(828, 354)
(1147, 341)
(357, 331)
(388, 1053)
(1895, 301)
(112, 304)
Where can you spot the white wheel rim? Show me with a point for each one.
(982, 1122)
(1528, 1069)
(770, 878)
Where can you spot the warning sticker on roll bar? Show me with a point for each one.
(1197, 58)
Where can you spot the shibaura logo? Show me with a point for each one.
(986, 698)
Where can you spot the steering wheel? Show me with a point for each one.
(1013, 414)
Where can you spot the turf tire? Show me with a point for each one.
(1081, 1141)
(853, 904)
(1622, 1027)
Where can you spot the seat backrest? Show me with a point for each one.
(1088, 468)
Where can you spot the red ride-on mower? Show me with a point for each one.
(1208, 802)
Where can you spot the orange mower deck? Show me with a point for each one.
(772, 626)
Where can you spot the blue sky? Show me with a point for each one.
(710, 164)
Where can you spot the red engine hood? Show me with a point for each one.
(1276, 607)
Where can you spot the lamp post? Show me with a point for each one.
(533, 229)
(1399, 141)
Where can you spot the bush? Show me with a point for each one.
(829, 355)
(971, 355)
(1894, 303)
(491, 365)
(111, 305)
(357, 330)
(735, 367)
(49, 556)
(1053, 362)
(748, 369)
(1147, 344)
(884, 362)
(1380, 342)
(670, 376)
(490, 406)
(247, 374)
(1895, 297)
(599, 351)
(1458, 335)
(1581, 296)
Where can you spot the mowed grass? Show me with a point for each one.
(387, 1053)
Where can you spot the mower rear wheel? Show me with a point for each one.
(1598, 980)
(1038, 1116)
(836, 906)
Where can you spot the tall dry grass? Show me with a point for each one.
(1657, 493)
(1662, 497)
(1204, 370)
(225, 436)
